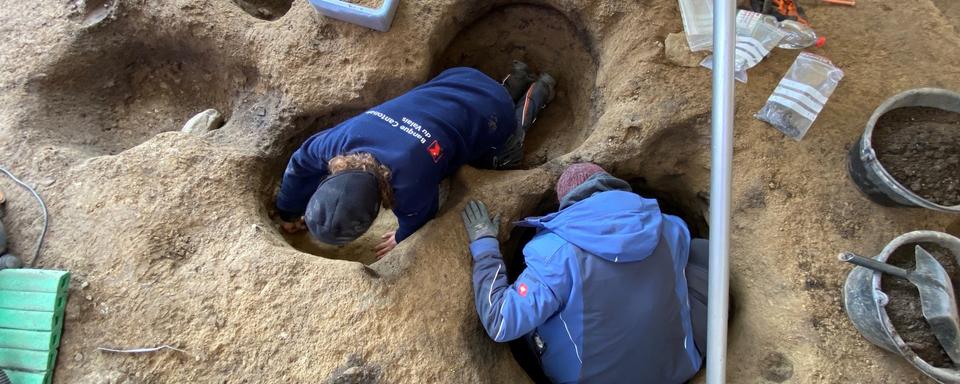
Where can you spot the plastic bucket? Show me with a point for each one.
(867, 172)
(865, 303)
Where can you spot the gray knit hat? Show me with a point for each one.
(344, 207)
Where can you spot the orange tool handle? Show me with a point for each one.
(841, 2)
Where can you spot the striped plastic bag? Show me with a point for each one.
(801, 95)
(757, 34)
(697, 23)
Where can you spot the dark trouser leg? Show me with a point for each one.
(527, 108)
(516, 83)
(525, 353)
(697, 277)
(518, 80)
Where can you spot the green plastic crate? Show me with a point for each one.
(31, 320)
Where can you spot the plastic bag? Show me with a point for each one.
(698, 23)
(757, 34)
(798, 35)
(801, 95)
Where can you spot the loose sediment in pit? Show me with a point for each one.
(169, 240)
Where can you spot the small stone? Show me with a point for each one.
(678, 52)
(78, 357)
(203, 122)
(631, 121)
(88, 297)
(84, 285)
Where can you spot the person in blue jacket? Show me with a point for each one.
(604, 297)
(396, 154)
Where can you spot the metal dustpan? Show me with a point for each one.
(937, 298)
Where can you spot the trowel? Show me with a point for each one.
(937, 298)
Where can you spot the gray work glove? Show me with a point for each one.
(477, 221)
(10, 261)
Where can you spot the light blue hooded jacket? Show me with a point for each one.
(604, 288)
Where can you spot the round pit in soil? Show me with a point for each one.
(548, 42)
(904, 308)
(265, 9)
(102, 98)
(920, 148)
(360, 250)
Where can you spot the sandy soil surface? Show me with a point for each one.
(169, 239)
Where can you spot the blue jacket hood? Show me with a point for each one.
(616, 225)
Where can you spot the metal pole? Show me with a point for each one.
(724, 38)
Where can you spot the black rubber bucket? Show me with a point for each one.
(865, 169)
(865, 304)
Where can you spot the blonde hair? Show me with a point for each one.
(362, 161)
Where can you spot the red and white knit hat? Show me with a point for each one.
(575, 175)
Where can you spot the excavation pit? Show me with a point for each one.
(104, 99)
(548, 42)
(360, 250)
(265, 9)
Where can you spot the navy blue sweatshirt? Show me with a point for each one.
(423, 136)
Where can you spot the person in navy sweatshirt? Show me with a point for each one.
(396, 154)
(614, 291)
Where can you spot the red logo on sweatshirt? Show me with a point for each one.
(522, 290)
(435, 151)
